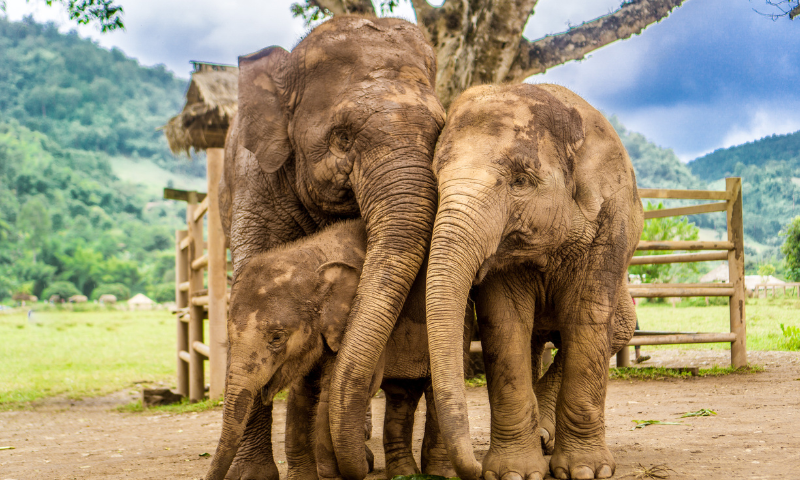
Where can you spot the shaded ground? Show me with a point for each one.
(756, 434)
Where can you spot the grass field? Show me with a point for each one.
(763, 318)
(82, 353)
(92, 353)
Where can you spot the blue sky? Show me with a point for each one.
(712, 75)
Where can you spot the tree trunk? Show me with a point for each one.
(480, 41)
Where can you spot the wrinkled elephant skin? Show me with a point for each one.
(342, 126)
(539, 209)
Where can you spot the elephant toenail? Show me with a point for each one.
(560, 473)
(582, 473)
(512, 476)
(605, 472)
(488, 475)
(545, 435)
(535, 476)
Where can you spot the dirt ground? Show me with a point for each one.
(756, 434)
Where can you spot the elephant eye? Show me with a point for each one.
(277, 338)
(520, 181)
(341, 140)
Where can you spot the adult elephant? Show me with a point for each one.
(539, 209)
(344, 125)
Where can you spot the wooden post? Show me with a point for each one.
(196, 373)
(217, 279)
(624, 357)
(181, 301)
(736, 271)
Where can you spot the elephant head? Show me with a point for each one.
(343, 125)
(526, 174)
(289, 308)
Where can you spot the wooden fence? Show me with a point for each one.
(198, 262)
(197, 300)
(732, 250)
(794, 289)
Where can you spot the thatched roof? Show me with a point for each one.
(211, 103)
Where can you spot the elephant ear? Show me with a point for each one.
(263, 118)
(336, 288)
(591, 148)
(598, 168)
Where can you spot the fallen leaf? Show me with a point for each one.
(7, 448)
(703, 412)
(205, 454)
(644, 423)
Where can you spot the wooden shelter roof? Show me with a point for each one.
(211, 103)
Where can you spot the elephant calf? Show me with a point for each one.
(286, 327)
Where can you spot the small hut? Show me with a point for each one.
(107, 299)
(211, 103)
(78, 299)
(140, 302)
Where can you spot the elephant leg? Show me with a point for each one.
(580, 450)
(537, 349)
(434, 452)
(254, 459)
(402, 397)
(624, 322)
(547, 395)
(505, 316)
(300, 428)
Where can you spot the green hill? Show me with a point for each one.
(776, 150)
(82, 166)
(770, 171)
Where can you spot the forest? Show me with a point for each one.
(68, 108)
(71, 111)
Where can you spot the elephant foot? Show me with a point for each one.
(548, 439)
(521, 465)
(582, 465)
(442, 468)
(400, 465)
(241, 470)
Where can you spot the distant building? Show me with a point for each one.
(140, 302)
(720, 274)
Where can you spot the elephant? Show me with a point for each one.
(285, 328)
(539, 214)
(342, 126)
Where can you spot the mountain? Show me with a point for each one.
(776, 150)
(85, 97)
(82, 166)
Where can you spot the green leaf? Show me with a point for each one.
(703, 412)
(205, 454)
(644, 423)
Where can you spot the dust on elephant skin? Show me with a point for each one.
(342, 126)
(539, 212)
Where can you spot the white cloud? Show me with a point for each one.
(176, 31)
(761, 124)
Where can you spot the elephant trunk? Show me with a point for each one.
(464, 236)
(240, 393)
(398, 205)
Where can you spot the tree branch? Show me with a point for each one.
(633, 17)
(341, 7)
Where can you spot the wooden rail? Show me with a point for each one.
(767, 287)
(731, 250)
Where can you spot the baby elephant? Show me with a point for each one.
(286, 326)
